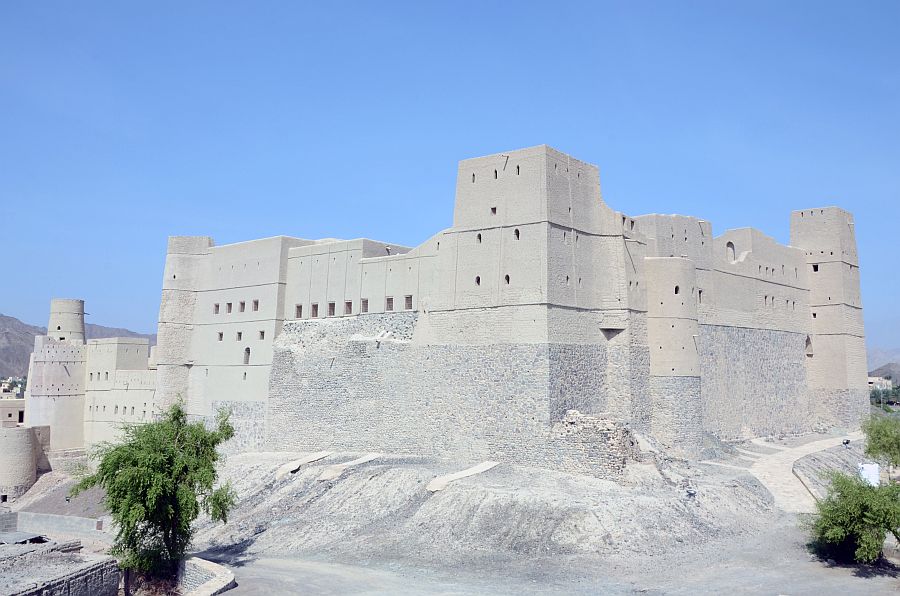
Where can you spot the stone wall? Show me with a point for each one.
(199, 577)
(249, 421)
(47, 570)
(676, 414)
(361, 384)
(754, 382)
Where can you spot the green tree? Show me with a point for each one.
(157, 480)
(883, 438)
(854, 519)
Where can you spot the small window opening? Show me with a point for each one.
(478, 238)
(516, 233)
(493, 211)
(216, 309)
(228, 308)
(315, 310)
(407, 302)
(517, 170)
(700, 296)
(495, 174)
(809, 347)
(816, 268)
(221, 336)
(473, 178)
(242, 306)
(364, 305)
(676, 289)
(58, 328)
(106, 376)
(389, 303)
(240, 335)
(729, 252)
(262, 335)
(331, 309)
(255, 305)
(245, 377)
(348, 307)
(506, 279)
(298, 311)
(477, 280)
(246, 358)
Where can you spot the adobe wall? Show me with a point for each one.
(18, 468)
(361, 384)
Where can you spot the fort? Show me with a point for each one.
(543, 328)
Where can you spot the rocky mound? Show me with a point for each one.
(382, 510)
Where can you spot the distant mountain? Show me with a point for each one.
(17, 342)
(879, 356)
(890, 371)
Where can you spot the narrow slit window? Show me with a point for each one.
(228, 308)
(216, 308)
(221, 336)
(516, 233)
(240, 335)
(262, 335)
(407, 302)
(246, 358)
(389, 303)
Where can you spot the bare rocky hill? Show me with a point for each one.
(17, 342)
(891, 371)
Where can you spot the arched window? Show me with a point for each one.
(729, 252)
(507, 279)
(477, 280)
(516, 233)
(478, 238)
(495, 174)
(517, 170)
(246, 355)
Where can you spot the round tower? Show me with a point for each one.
(66, 320)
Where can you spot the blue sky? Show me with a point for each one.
(124, 123)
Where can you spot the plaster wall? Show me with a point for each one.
(18, 467)
(66, 319)
(55, 393)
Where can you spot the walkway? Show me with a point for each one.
(776, 470)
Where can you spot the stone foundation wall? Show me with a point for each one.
(249, 421)
(360, 384)
(754, 382)
(844, 408)
(676, 414)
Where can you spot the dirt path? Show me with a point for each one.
(776, 472)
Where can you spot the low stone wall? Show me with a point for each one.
(44, 570)
(50, 525)
(199, 577)
(8, 521)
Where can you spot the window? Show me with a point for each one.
(255, 305)
(240, 335)
(246, 358)
(407, 302)
(517, 170)
(506, 278)
(809, 347)
(364, 305)
(331, 309)
(228, 308)
(91, 377)
(495, 174)
(516, 233)
(21, 416)
(493, 211)
(106, 376)
(477, 280)
(315, 311)
(245, 377)
(700, 296)
(116, 410)
(473, 178)
(348, 307)
(132, 410)
(242, 306)
(221, 336)
(676, 290)
(216, 308)
(478, 238)
(729, 252)
(389, 303)
(816, 268)
(298, 311)
(262, 335)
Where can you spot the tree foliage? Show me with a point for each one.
(157, 480)
(854, 519)
(883, 438)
